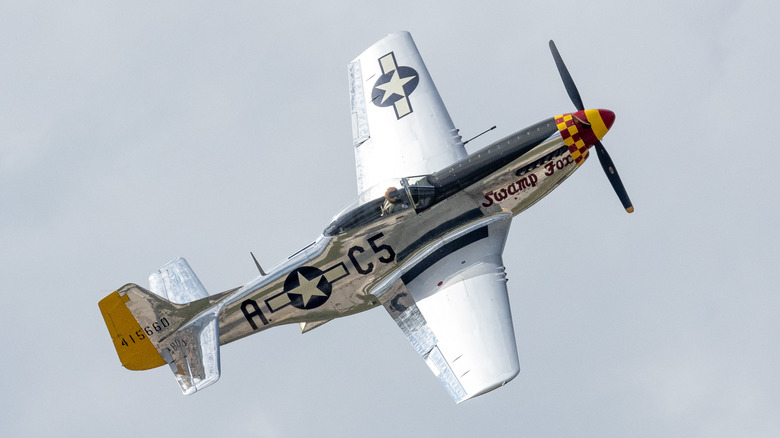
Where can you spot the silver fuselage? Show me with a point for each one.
(356, 261)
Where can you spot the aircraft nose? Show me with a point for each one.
(608, 117)
(600, 120)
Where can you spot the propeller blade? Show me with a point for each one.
(568, 82)
(604, 158)
(614, 178)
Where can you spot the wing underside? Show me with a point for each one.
(456, 313)
(400, 124)
(452, 304)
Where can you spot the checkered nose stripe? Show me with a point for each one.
(572, 138)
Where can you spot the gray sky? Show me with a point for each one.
(135, 132)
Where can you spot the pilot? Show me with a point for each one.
(390, 201)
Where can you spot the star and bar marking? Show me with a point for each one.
(394, 86)
(307, 287)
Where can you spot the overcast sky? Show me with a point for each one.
(135, 132)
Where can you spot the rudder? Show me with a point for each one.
(136, 351)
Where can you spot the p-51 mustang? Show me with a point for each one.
(424, 239)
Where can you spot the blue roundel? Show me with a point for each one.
(307, 287)
(394, 86)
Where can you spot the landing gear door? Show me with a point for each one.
(419, 191)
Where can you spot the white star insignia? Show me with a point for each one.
(394, 86)
(308, 288)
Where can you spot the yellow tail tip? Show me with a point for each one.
(135, 350)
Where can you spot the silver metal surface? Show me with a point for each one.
(441, 369)
(176, 282)
(360, 132)
(383, 247)
(404, 311)
(411, 131)
(369, 253)
(196, 363)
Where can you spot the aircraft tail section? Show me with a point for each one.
(149, 330)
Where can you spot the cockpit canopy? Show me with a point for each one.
(384, 199)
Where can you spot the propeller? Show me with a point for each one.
(601, 151)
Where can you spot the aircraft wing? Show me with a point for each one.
(453, 307)
(452, 304)
(400, 126)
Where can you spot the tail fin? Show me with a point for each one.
(149, 331)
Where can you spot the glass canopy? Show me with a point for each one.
(399, 194)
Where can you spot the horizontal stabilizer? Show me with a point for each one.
(194, 353)
(176, 282)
